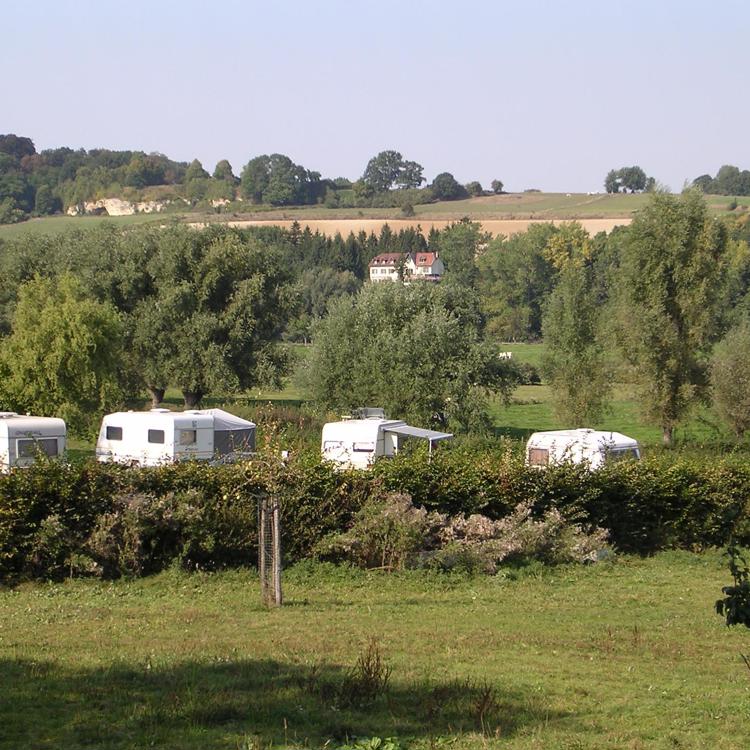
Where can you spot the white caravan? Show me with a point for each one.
(594, 447)
(23, 438)
(356, 443)
(160, 436)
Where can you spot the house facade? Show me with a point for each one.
(419, 266)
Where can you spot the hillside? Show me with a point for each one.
(597, 212)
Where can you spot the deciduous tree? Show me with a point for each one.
(63, 355)
(414, 350)
(669, 287)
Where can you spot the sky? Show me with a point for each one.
(547, 95)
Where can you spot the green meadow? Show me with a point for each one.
(621, 654)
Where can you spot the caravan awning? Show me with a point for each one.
(417, 432)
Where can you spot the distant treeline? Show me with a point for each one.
(51, 181)
(729, 180)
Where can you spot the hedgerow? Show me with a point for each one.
(92, 519)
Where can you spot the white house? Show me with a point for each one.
(159, 436)
(425, 266)
(23, 438)
(422, 266)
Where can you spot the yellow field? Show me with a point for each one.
(493, 226)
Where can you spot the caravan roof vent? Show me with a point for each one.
(160, 411)
(7, 414)
(370, 412)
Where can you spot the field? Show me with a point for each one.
(599, 212)
(623, 654)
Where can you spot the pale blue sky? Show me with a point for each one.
(538, 94)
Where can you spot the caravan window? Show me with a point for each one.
(156, 436)
(363, 447)
(620, 454)
(188, 437)
(29, 448)
(332, 445)
(538, 457)
(114, 433)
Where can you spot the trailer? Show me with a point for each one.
(356, 443)
(24, 438)
(593, 447)
(161, 436)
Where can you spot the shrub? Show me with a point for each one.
(392, 533)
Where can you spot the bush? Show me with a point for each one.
(105, 520)
(393, 534)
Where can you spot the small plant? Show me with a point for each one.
(735, 606)
(369, 678)
(485, 705)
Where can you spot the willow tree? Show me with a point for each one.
(668, 291)
(64, 354)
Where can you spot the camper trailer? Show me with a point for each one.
(159, 436)
(594, 447)
(356, 443)
(23, 438)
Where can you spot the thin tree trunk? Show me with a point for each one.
(192, 398)
(667, 436)
(157, 395)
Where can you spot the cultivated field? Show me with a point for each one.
(604, 211)
(623, 654)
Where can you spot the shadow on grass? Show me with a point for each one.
(254, 704)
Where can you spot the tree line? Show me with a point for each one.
(42, 183)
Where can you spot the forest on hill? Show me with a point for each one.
(52, 181)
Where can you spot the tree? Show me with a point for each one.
(63, 354)
(388, 168)
(459, 245)
(414, 350)
(254, 178)
(221, 302)
(612, 181)
(474, 189)
(445, 187)
(223, 171)
(515, 278)
(45, 202)
(627, 178)
(574, 362)
(497, 186)
(704, 183)
(730, 378)
(16, 145)
(195, 171)
(669, 287)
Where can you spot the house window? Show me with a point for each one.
(156, 436)
(113, 433)
(29, 448)
(538, 456)
(188, 437)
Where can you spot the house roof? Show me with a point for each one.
(425, 259)
(387, 259)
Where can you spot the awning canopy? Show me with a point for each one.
(417, 432)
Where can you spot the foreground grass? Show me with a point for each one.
(619, 655)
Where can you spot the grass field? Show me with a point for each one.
(518, 206)
(623, 654)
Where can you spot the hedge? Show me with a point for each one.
(58, 519)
